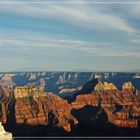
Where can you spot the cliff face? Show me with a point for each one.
(26, 91)
(53, 81)
(4, 92)
(34, 107)
(122, 108)
(128, 86)
(6, 80)
(105, 86)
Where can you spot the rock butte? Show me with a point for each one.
(34, 107)
(105, 86)
(128, 86)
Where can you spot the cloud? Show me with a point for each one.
(32, 44)
(83, 15)
(87, 35)
(110, 51)
(135, 9)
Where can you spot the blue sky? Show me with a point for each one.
(69, 36)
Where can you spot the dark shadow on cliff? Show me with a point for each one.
(33, 131)
(11, 120)
(37, 131)
(87, 89)
(93, 121)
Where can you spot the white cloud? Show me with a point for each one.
(110, 50)
(54, 50)
(84, 15)
(77, 14)
(33, 43)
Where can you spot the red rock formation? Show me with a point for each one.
(34, 107)
(127, 123)
(105, 86)
(127, 86)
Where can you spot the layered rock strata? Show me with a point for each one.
(34, 107)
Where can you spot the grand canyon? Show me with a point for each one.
(69, 69)
(70, 103)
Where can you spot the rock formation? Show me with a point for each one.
(3, 134)
(6, 80)
(35, 107)
(26, 91)
(42, 84)
(32, 76)
(52, 81)
(105, 86)
(128, 86)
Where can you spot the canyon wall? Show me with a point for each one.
(32, 106)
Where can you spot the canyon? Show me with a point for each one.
(65, 84)
(102, 106)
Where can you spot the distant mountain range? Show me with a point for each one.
(65, 83)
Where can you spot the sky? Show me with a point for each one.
(69, 35)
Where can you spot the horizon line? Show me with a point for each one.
(70, 71)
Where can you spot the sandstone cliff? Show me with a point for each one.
(34, 107)
(105, 86)
(128, 86)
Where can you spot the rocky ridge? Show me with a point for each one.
(33, 107)
(105, 86)
(52, 81)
